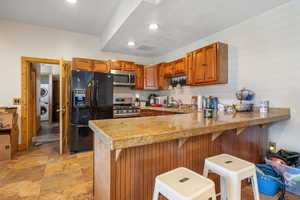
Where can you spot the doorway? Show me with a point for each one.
(45, 102)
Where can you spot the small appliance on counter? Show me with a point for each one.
(209, 106)
(245, 97)
(124, 107)
(151, 99)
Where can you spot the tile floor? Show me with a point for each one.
(42, 174)
(49, 132)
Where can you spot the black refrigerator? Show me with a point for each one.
(92, 98)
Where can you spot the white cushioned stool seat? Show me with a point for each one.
(232, 171)
(184, 184)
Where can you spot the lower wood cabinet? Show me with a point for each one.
(151, 77)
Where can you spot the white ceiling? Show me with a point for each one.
(116, 22)
(181, 22)
(87, 16)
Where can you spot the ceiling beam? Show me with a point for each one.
(122, 12)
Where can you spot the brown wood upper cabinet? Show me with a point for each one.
(82, 64)
(179, 66)
(169, 69)
(162, 81)
(122, 65)
(189, 67)
(128, 66)
(90, 65)
(115, 64)
(151, 77)
(208, 65)
(101, 66)
(139, 82)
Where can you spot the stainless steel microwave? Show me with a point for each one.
(123, 78)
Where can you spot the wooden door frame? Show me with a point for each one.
(25, 83)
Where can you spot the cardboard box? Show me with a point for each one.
(5, 147)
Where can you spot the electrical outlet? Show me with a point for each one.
(17, 101)
(272, 147)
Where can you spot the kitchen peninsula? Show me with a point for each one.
(129, 153)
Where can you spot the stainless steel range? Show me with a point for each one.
(124, 107)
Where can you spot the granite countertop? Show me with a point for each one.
(130, 132)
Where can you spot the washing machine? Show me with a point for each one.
(44, 102)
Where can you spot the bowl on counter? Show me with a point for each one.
(243, 107)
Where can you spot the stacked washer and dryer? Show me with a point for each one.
(44, 102)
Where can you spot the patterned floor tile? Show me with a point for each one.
(42, 174)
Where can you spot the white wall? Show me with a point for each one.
(264, 55)
(18, 40)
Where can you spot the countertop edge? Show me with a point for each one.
(119, 144)
(101, 134)
(146, 140)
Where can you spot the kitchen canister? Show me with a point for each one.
(264, 106)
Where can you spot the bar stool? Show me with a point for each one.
(232, 171)
(184, 184)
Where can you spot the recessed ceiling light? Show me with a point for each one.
(153, 26)
(72, 1)
(131, 43)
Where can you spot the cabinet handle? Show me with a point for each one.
(204, 65)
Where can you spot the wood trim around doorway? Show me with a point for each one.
(26, 116)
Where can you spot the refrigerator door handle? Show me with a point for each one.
(97, 92)
(90, 93)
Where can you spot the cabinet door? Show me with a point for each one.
(189, 69)
(162, 80)
(150, 77)
(128, 66)
(101, 66)
(116, 65)
(169, 69)
(139, 83)
(211, 63)
(82, 64)
(199, 66)
(180, 66)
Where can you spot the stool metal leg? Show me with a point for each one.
(214, 194)
(205, 171)
(223, 189)
(155, 193)
(255, 187)
(234, 189)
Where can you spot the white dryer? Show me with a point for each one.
(44, 102)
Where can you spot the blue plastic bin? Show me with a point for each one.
(267, 184)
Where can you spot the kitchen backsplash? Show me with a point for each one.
(127, 92)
